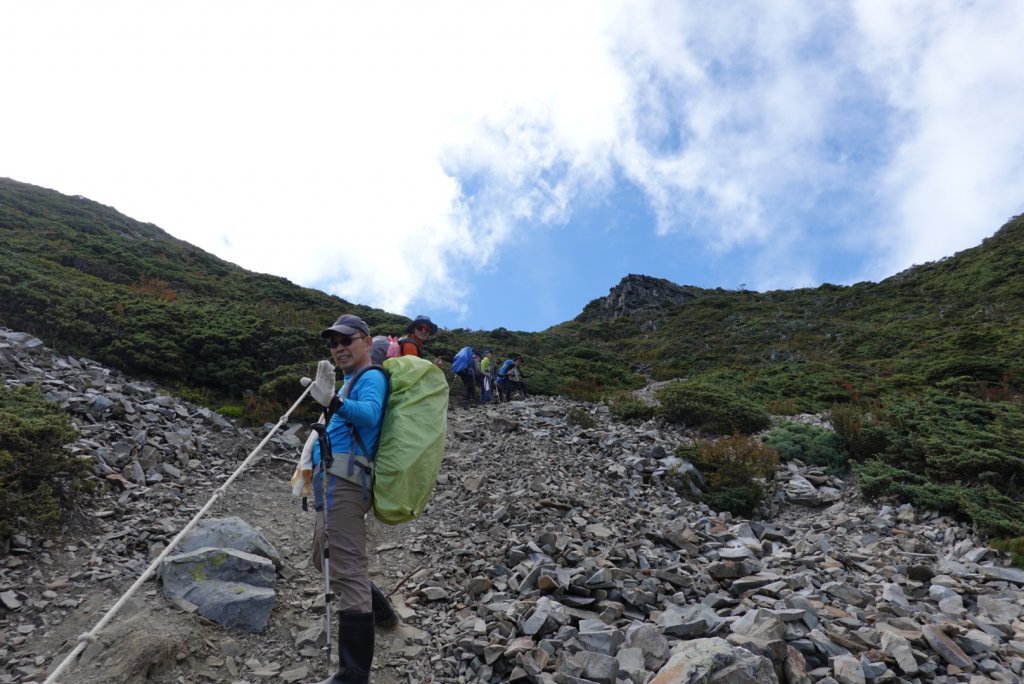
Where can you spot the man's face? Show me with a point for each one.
(350, 352)
(421, 332)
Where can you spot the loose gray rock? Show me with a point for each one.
(714, 661)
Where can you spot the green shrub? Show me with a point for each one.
(38, 481)
(710, 408)
(1013, 547)
(236, 412)
(584, 389)
(277, 394)
(581, 417)
(812, 445)
(782, 407)
(737, 469)
(631, 408)
(859, 435)
(993, 512)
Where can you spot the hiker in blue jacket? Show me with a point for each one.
(348, 497)
(465, 366)
(510, 379)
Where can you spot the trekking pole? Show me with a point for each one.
(326, 461)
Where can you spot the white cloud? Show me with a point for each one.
(955, 71)
(382, 153)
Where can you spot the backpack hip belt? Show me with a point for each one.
(354, 468)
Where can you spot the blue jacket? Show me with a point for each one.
(364, 408)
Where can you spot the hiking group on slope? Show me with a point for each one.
(476, 371)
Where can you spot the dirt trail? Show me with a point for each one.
(152, 640)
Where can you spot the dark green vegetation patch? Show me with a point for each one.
(38, 481)
(711, 408)
(738, 470)
(810, 445)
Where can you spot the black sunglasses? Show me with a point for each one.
(344, 341)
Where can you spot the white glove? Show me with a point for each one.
(323, 389)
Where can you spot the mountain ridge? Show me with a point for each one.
(927, 365)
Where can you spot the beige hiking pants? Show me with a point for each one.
(346, 527)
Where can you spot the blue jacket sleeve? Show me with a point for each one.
(365, 404)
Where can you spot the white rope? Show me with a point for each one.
(91, 635)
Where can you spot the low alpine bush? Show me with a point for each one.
(738, 471)
(38, 481)
(631, 408)
(230, 411)
(710, 408)
(1013, 547)
(809, 444)
(581, 417)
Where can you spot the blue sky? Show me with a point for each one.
(496, 168)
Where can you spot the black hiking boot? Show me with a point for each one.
(355, 649)
(384, 615)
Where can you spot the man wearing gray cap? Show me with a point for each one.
(358, 412)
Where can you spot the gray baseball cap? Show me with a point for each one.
(347, 325)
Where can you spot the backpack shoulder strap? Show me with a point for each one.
(414, 341)
(387, 391)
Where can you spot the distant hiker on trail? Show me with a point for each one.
(515, 378)
(478, 375)
(360, 603)
(510, 379)
(416, 334)
(462, 365)
(439, 362)
(486, 376)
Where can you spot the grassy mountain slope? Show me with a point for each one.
(90, 281)
(924, 371)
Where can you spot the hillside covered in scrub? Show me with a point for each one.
(921, 373)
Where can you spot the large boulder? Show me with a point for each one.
(233, 588)
(229, 533)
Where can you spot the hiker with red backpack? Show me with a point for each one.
(417, 333)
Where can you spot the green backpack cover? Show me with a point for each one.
(412, 439)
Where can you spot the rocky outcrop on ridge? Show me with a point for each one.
(638, 296)
(553, 550)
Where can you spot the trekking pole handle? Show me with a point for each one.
(326, 457)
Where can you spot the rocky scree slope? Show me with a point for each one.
(551, 551)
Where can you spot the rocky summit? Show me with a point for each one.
(555, 549)
(641, 297)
